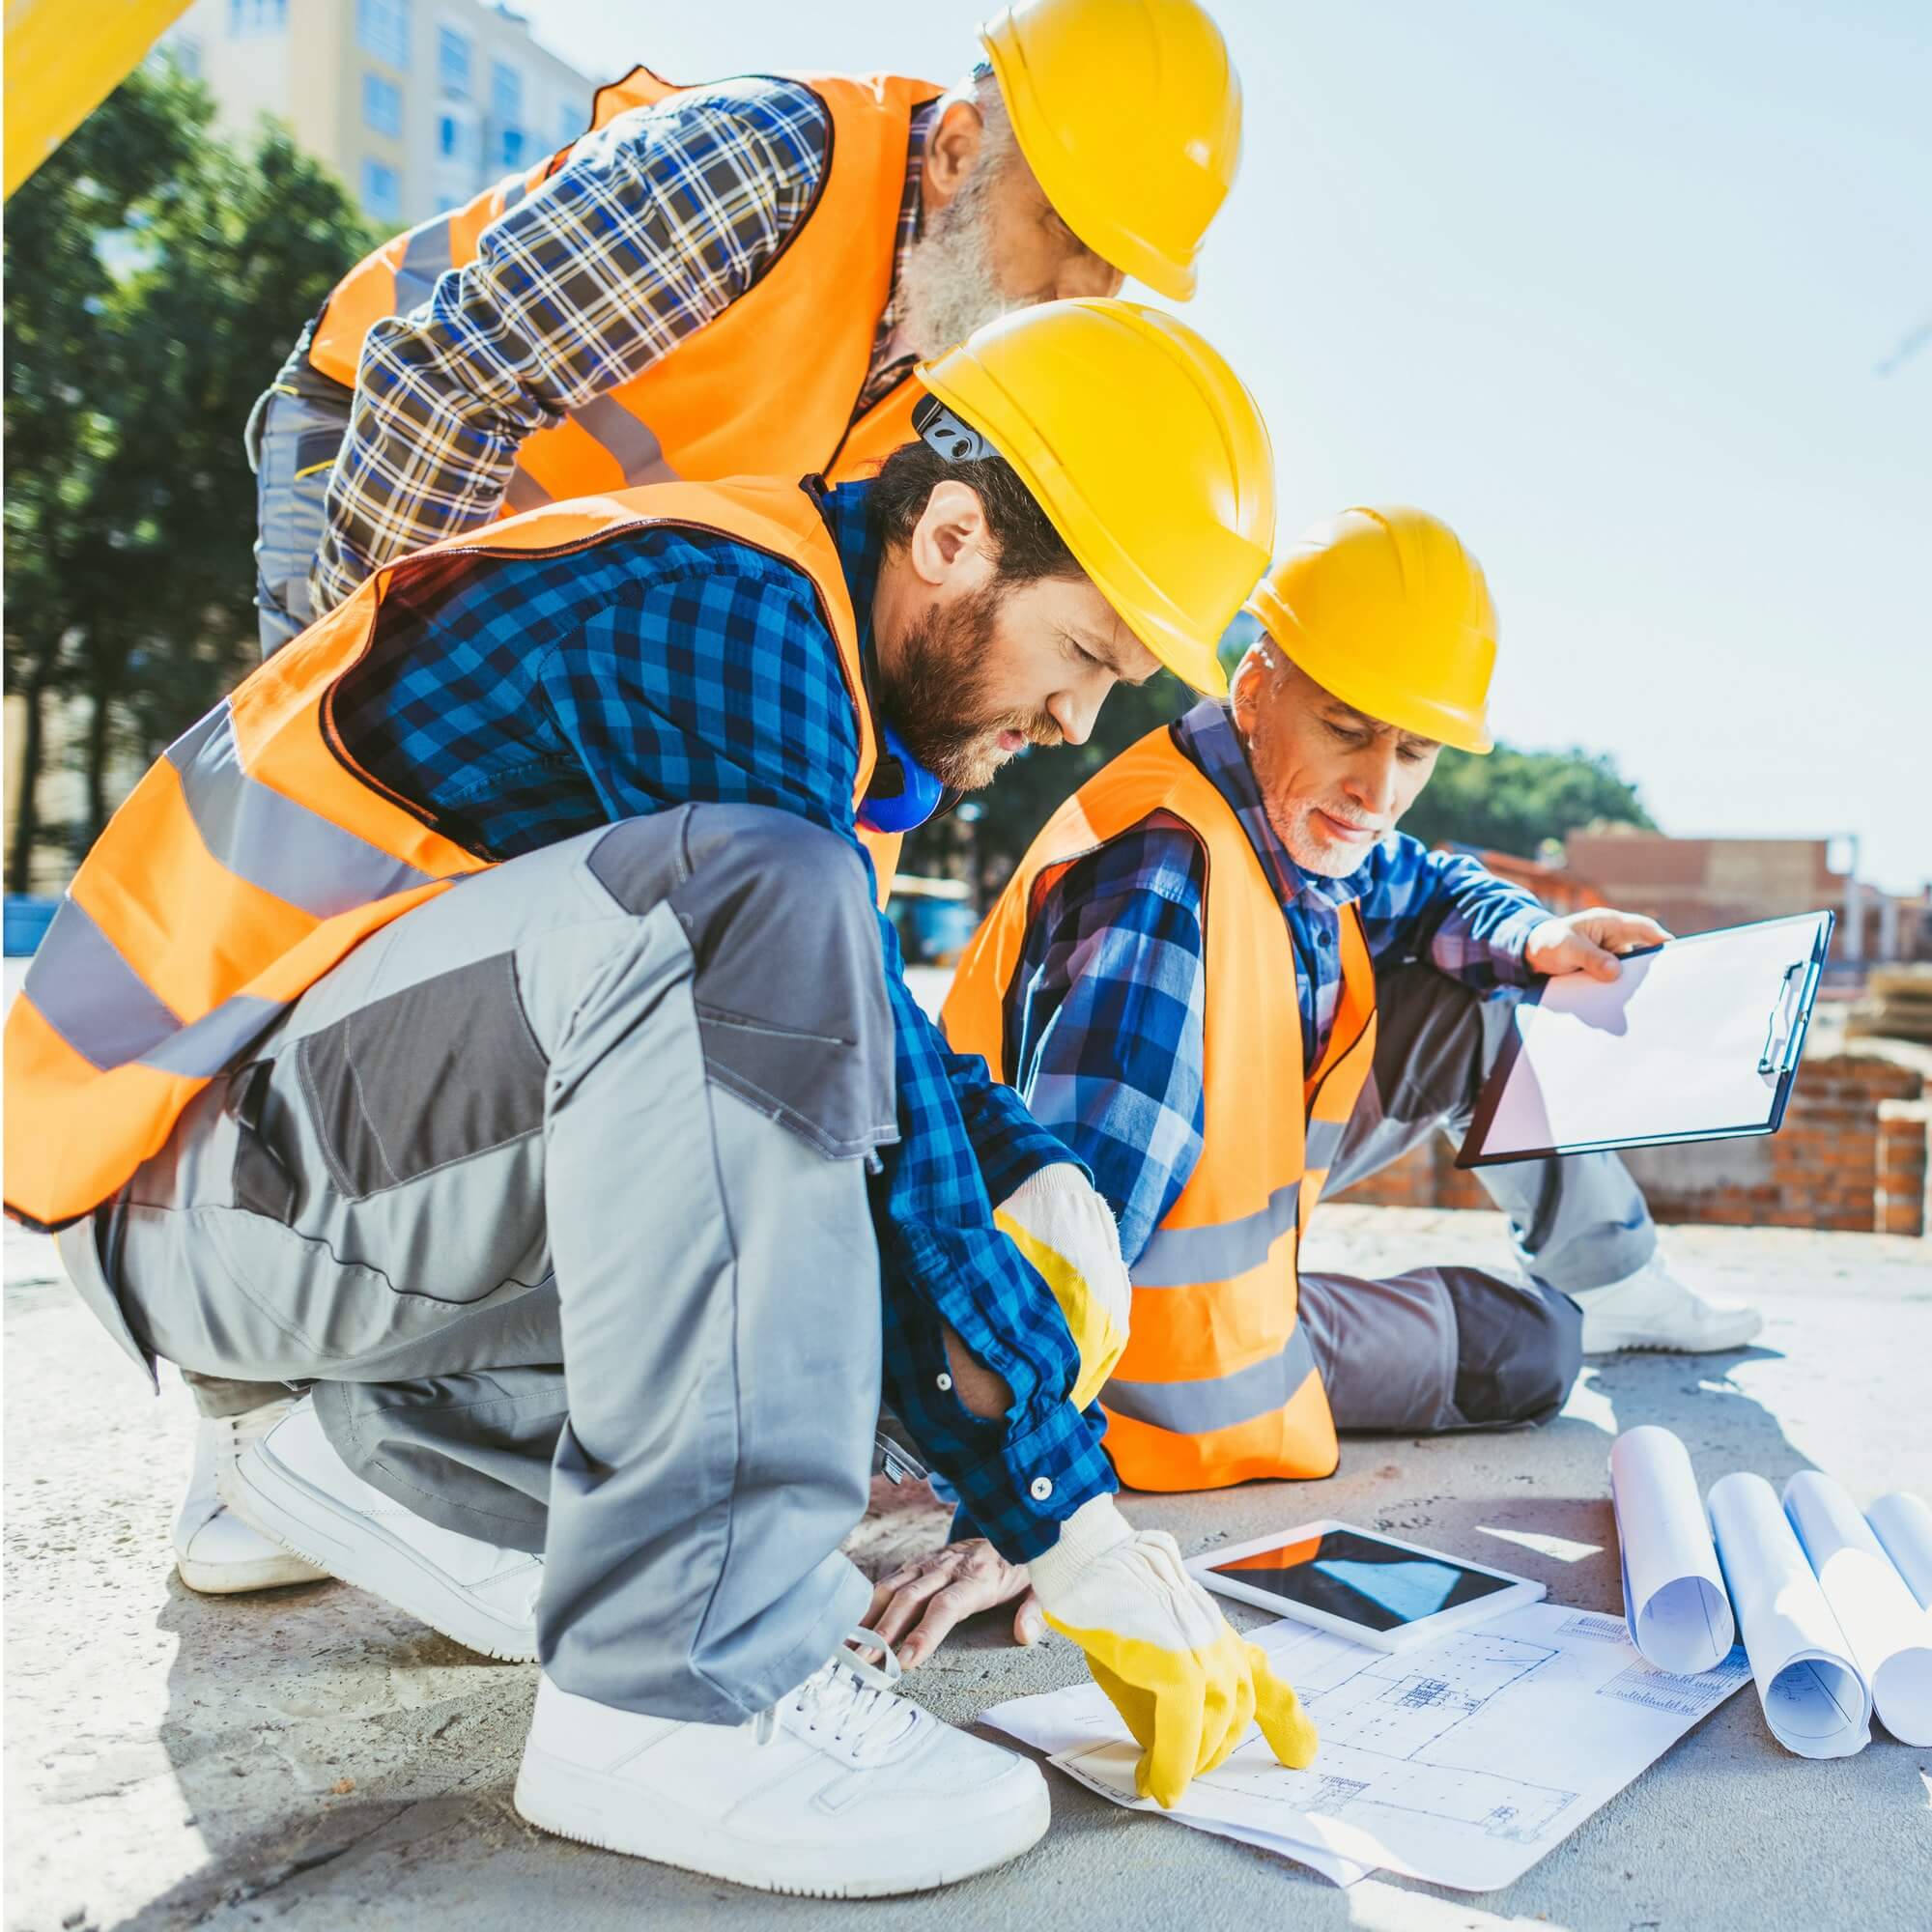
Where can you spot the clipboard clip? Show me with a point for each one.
(1784, 1023)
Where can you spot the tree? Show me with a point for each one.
(155, 278)
(1514, 801)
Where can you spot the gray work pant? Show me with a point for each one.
(294, 432)
(1461, 1347)
(555, 1192)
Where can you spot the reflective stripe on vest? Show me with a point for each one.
(1218, 1382)
(766, 388)
(254, 855)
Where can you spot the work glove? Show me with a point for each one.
(1184, 1681)
(1068, 1232)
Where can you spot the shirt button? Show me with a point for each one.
(945, 1382)
(1040, 1487)
(1321, 937)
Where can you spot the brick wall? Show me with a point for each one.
(1853, 1156)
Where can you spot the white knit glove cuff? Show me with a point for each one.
(1085, 1537)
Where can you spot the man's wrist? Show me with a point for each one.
(1095, 1527)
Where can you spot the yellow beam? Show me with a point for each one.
(63, 60)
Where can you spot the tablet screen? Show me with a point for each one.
(1361, 1579)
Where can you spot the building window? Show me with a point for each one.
(185, 51)
(513, 147)
(452, 63)
(573, 123)
(382, 191)
(246, 17)
(382, 104)
(456, 138)
(383, 29)
(506, 92)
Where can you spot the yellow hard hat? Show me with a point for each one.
(1385, 608)
(1145, 451)
(1129, 114)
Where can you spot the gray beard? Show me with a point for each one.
(947, 289)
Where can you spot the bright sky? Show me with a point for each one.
(1624, 294)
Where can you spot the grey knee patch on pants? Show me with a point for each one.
(788, 980)
(1518, 1351)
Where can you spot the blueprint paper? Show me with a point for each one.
(1903, 1523)
(1674, 1600)
(1461, 1762)
(1889, 1635)
(1814, 1699)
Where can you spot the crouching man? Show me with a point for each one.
(480, 1020)
(1229, 984)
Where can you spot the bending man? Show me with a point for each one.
(481, 1019)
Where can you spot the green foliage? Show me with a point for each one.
(1513, 801)
(155, 278)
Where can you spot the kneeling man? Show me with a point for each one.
(1228, 983)
(481, 1021)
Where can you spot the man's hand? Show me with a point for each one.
(1068, 1232)
(1589, 941)
(1185, 1683)
(932, 1593)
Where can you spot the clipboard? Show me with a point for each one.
(1697, 1040)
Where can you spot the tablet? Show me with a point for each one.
(1370, 1588)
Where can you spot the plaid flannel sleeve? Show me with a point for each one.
(1473, 925)
(944, 1263)
(1106, 1016)
(654, 227)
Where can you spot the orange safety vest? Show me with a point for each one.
(255, 854)
(1217, 1383)
(766, 389)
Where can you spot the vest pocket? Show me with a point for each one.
(438, 1072)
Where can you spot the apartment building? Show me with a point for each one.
(417, 105)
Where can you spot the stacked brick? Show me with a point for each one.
(1853, 1156)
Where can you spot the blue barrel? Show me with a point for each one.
(27, 923)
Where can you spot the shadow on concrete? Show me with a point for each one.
(302, 1723)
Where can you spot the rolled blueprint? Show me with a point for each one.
(1891, 1637)
(1903, 1523)
(1674, 1600)
(1813, 1697)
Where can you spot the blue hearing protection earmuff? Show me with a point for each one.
(903, 794)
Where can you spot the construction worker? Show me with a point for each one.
(483, 1020)
(733, 279)
(1231, 986)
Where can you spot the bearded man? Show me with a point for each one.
(1228, 981)
(733, 279)
(483, 1020)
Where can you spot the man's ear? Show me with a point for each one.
(1250, 683)
(951, 547)
(952, 151)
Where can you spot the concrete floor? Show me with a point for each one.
(311, 1758)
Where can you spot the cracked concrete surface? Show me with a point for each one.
(308, 1757)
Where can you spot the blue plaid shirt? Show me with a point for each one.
(1105, 1016)
(546, 696)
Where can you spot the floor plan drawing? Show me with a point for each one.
(1462, 1761)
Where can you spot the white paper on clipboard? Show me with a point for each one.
(1695, 1040)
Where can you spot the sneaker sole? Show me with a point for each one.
(1641, 1341)
(569, 1803)
(235, 1579)
(270, 1497)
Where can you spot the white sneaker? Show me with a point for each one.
(292, 1486)
(215, 1552)
(840, 1790)
(1652, 1309)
